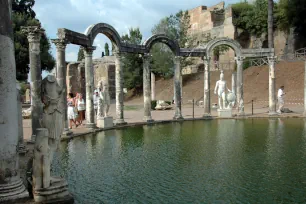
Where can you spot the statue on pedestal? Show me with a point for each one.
(103, 120)
(47, 189)
(104, 100)
(220, 90)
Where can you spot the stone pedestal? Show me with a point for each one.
(105, 122)
(225, 113)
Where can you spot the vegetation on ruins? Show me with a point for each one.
(132, 63)
(81, 55)
(286, 14)
(106, 49)
(175, 27)
(23, 15)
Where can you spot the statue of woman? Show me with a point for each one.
(52, 118)
(100, 113)
(220, 89)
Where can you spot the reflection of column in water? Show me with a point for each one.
(146, 135)
(115, 138)
(89, 144)
(100, 139)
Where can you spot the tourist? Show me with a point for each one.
(80, 104)
(71, 110)
(96, 100)
(280, 97)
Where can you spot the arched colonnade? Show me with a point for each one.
(86, 40)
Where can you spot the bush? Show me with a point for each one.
(168, 102)
(153, 104)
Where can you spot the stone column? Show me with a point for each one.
(21, 146)
(177, 89)
(146, 88)
(240, 101)
(11, 186)
(119, 90)
(234, 83)
(272, 94)
(152, 86)
(305, 90)
(206, 98)
(61, 70)
(34, 34)
(89, 77)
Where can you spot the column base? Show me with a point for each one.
(12, 191)
(207, 115)
(148, 119)
(90, 125)
(273, 113)
(120, 122)
(67, 132)
(178, 117)
(241, 114)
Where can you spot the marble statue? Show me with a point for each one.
(52, 111)
(220, 90)
(47, 189)
(104, 100)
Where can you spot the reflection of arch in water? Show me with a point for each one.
(161, 38)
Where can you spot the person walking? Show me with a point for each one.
(280, 97)
(80, 104)
(71, 112)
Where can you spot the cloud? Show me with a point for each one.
(77, 15)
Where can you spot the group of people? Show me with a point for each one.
(76, 109)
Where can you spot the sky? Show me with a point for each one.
(77, 15)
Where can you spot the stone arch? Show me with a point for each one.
(223, 41)
(93, 30)
(161, 38)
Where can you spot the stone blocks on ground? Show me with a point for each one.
(225, 113)
(105, 122)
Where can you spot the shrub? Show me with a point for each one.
(153, 104)
(169, 102)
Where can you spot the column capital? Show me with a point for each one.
(60, 43)
(89, 50)
(239, 59)
(272, 59)
(33, 33)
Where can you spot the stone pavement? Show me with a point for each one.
(134, 113)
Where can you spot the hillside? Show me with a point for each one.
(256, 81)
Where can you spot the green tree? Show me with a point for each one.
(132, 63)
(251, 17)
(23, 15)
(81, 55)
(176, 28)
(106, 49)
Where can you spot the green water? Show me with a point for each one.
(217, 161)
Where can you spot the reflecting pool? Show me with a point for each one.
(215, 161)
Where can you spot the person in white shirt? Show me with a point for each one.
(280, 97)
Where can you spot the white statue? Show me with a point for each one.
(220, 89)
(104, 100)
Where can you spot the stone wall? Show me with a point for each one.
(104, 69)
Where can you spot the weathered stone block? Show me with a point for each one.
(105, 122)
(225, 113)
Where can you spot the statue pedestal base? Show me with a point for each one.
(12, 191)
(56, 193)
(105, 122)
(225, 113)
